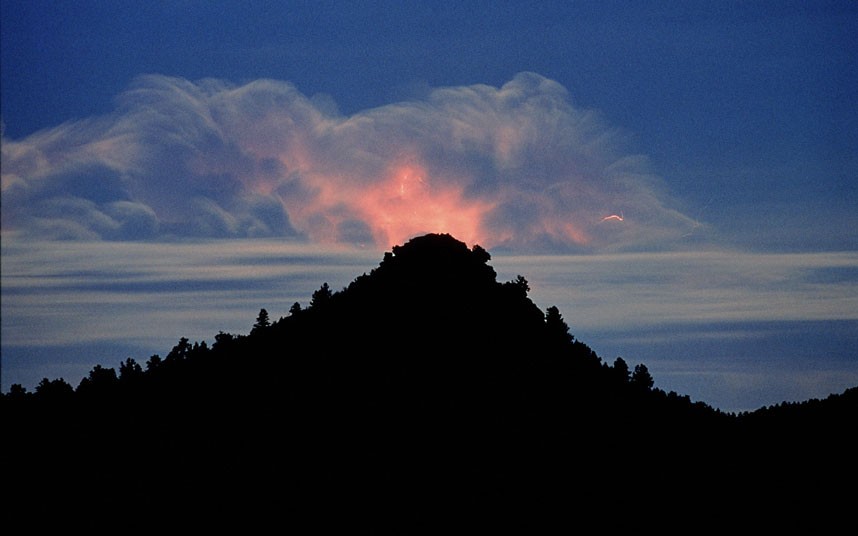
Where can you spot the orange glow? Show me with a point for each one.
(404, 203)
(328, 204)
(407, 203)
(575, 234)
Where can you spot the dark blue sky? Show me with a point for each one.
(746, 103)
(710, 126)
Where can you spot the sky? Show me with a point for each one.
(679, 178)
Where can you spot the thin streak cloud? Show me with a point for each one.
(675, 311)
(517, 167)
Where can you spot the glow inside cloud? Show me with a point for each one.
(517, 166)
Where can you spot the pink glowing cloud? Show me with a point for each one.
(517, 166)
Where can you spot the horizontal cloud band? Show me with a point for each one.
(517, 166)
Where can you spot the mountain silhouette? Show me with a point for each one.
(425, 397)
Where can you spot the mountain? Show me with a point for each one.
(425, 397)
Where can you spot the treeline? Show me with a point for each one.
(188, 365)
(422, 393)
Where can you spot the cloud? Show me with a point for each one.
(518, 166)
(97, 291)
(650, 289)
(698, 319)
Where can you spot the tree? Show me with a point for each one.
(100, 380)
(200, 349)
(520, 284)
(153, 363)
(480, 255)
(18, 392)
(129, 370)
(180, 351)
(621, 369)
(262, 322)
(54, 389)
(222, 340)
(321, 297)
(558, 330)
(641, 377)
(295, 309)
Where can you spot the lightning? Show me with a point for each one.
(615, 217)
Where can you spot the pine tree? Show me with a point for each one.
(262, 322)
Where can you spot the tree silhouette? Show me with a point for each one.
(480, 255)
(100, 380)
(54, 390)
(180, 351)
(621, 369)
(17, 392)
(153, 363)
(424, 381)
(129, 370)
(321, 297)
(520, 286)
(641, 377)
(558, 330)
(262, 322)
(223, 341)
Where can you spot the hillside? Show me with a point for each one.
(423, 393)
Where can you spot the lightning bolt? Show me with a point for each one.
(615, 217)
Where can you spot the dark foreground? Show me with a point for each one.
(425, 398)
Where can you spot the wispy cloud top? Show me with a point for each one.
(518, 166)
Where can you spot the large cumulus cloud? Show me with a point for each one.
(517, 166)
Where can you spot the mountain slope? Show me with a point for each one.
(423, 394)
